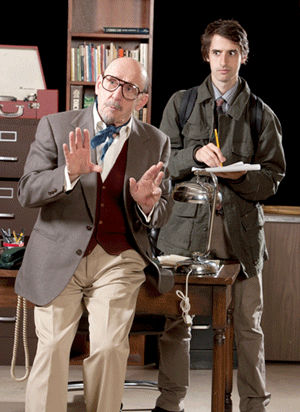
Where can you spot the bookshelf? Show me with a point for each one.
(97, 32)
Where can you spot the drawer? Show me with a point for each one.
(12, 214)
(6, 345)
(16, 136)
(8, 320)
(7, 328)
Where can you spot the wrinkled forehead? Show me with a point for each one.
(127, 71)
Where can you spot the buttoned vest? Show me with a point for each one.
(111, 231)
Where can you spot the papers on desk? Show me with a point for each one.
(171, 260)
(235, 167)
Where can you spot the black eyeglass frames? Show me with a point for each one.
(129, 91)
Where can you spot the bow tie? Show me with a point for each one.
(102, 135)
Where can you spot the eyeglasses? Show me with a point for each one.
(129, 91)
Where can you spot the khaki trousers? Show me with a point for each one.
(173, 377)
(107, 286)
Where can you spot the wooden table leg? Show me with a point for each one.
(218, 384)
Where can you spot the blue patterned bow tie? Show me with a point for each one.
(102, 135)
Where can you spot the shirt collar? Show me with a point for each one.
(228, 96)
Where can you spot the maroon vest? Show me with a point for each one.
(111, 232)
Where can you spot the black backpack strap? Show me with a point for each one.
(256, 117)
(187, 104)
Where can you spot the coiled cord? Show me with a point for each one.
(185, 301)
(16, 339)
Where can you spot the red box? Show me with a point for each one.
(23, 92)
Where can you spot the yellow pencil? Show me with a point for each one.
(15, 236)
(217, 141)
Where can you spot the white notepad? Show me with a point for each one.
(235, 167)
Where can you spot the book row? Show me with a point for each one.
(89, 60)
(83, 97)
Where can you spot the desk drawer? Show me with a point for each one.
(16, 136)
(7, 327)
(8, 321)
(12, 214)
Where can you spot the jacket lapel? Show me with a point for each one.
(137, 157)
(88, 182)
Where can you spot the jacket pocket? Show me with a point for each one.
(175, 236)
(45, 234)
(253, 223)
(243, 150)
(253, 219)
(184, 209)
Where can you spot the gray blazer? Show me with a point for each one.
(66, 220)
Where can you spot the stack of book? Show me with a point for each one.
(89, 60)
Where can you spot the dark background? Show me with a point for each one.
(272, 69)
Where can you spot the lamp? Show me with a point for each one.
(200, 193)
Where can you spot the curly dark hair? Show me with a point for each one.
(230, 29)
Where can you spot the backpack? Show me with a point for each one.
(256, 112)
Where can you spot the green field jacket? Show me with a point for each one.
(186, 230)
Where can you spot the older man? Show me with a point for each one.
(89, 248)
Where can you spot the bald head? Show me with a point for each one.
(132, 71)
(113, 108)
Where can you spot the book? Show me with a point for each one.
(76, 97)
(89, 60)
(88, 97)
(235, 167)
(126, 30)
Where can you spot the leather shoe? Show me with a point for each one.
(158, 409)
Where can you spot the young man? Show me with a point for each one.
(89, 248)
(223, 102)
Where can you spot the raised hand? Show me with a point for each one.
(146, 192)
(78, 157)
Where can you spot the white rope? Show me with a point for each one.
(16, 338)
(185, 301)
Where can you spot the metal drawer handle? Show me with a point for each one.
(8, 159)
(7, 215)
(7, 319)
(201, 327)
(18, 113)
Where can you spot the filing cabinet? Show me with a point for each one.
(7, 328)
(16, 135)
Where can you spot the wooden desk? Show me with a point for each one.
(208, 296)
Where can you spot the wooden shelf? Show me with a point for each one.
(86, 24)
(102, 35)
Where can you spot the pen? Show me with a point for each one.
(20, 236)
(217, 141)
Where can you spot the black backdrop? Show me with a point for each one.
(272, 69)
